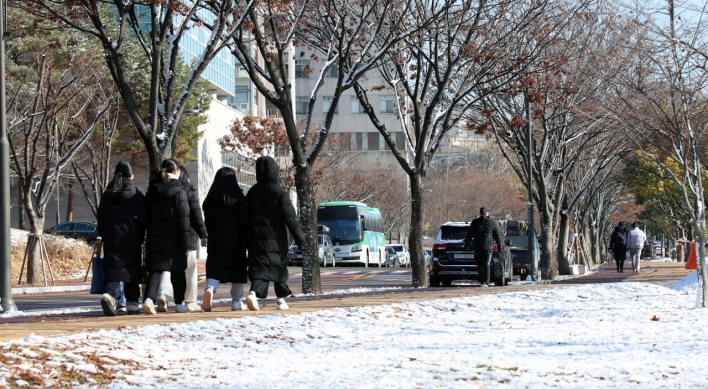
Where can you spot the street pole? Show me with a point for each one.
(7, 303)
(56, 141)
(530, 230)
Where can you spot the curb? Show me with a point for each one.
(51, 289)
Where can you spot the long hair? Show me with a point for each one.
(224, 190)
(121, 176)
(183, 174)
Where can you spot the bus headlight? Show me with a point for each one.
(356, 248)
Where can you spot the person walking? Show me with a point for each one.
(167, 236)
(271, 216)
(121, 220)
(618, 245)
(226, 219)
(481, 235)
(196, 232)
(635, 242)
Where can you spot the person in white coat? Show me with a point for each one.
(635, 242)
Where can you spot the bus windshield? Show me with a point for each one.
(345, 226)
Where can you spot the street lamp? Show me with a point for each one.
(530, 233)
(8, 304)
(447, 216)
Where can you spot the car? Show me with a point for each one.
(391, 257)
(451, 262)
(404, 257)
(77, 230)
(325, 251)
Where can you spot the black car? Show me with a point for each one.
(451, 262)
(76, 230)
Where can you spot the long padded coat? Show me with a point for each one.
(168, 228)
(271, 211)
(227, 227)
(122, 217)
(196, 220)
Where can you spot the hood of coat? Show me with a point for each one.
(267, 170)
(126, 192)
(166, 189)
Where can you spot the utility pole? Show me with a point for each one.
(530, 230)
(8, 304)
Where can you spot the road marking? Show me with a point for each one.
(352, 272)
(399, 271)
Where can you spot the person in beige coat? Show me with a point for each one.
(635, 242)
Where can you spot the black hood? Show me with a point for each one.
(126, 192)
(166, 189)
(267, 170)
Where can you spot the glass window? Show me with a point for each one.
(64, 227)
(81, 227)
(357, 108)
(386, 105)
(382, 142)
(352, 141)
(320, 239)
(301, 105)
(333, 71)
(327, 104)
(364, 142)
(301, 69)
(453, 233)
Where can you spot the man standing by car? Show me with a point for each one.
(483, 232)
(635, 243)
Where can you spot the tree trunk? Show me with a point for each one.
(562, 250)
(34, 259)
(415, 234)
(308, 220)
(548, 265)
(21, 207)
(70, 202)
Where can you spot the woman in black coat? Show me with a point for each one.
(226, 219)
(121, 224)
(272, 215)
(167, 236)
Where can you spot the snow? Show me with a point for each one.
(688, 284)
(601, 336)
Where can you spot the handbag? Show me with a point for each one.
(97, 273)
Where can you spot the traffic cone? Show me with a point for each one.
(691, 264)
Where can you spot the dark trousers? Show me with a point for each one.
(131, 291)
(484, 259)
(179, 285)
(261, 289)
(620, 256)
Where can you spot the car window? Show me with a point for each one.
(81, 227)
(64, 227)
(453, 233)
(320, 239)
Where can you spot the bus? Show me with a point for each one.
(356, 231)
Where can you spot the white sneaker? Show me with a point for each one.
(181, 308)
(162, 303)
(206, 300)
(149, 307)
(108, 303)
(252, 301)
(193, 307)
(282, 305)
(239, 306)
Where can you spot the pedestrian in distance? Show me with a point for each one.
(167, 236)
(196, 232)
(122, 218)
(271, 215)
(226, 218)
(618, 245)
(635, 242)
(482, 234)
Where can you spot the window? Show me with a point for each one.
(300, 66)
(352, 141)
(333, 71)
(382, 142)
(83, 227)
(364, 142)
(327, 104)
(64, 227)
(301, 104)
(373, 140)
(357, 108)
(386, 104)
(273, 113)
(245, 168)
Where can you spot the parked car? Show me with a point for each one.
(404, 257)
(325, 252)
(391, 257)
(76, 230)
(451, 262)
(520, 254)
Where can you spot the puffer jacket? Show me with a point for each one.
(168, 228)
(636, 238)
(122, 218)
(271, 215)
(483, 233)
(196, 220)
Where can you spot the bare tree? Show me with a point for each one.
(154, 29)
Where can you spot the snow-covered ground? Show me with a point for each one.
(601, 336)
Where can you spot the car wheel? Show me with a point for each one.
(434, 281)
(499, 278)
(446, 283)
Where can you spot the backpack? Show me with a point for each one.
(620, 238)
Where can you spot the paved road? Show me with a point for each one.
(332, 279)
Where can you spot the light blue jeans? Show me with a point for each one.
(236, 289)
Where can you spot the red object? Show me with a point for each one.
(439, 246)
(691, 264)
